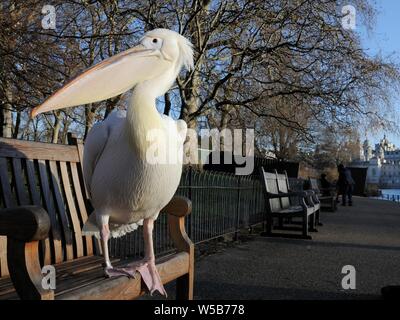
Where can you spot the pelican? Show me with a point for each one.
(127, 187)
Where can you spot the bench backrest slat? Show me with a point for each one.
(33, 189)
(13, 148)
(62, 215)
(283, 187)
(8, 200)
(270, 185)
(48, 175)
(8, 197)
(22, 195)
(72, 208)
(48, 204)
(81, 204)
(314, 185)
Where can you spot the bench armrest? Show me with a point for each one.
(178, 208)
(24, 226)
(312, 197)
(26, 223)
(301, 194)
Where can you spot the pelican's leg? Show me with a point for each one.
(151, 278)
(147, 266)
(109, 270)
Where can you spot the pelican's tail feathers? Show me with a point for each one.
(118, 230)
(90, 228)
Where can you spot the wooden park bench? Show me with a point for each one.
(44, 206)
(326, 197)
(311, 200)
(278, 205)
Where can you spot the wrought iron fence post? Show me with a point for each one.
(237, 212)
(190, 197)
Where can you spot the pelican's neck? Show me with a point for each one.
(142, 117)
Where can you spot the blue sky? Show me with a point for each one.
(384, 39)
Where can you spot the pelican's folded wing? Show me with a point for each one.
(95, 142)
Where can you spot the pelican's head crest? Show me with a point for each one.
(172, 45)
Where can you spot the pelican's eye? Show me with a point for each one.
(152, 43)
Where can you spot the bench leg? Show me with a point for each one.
(318, 222)
(184, 287)
(312, 223)
(305, 227)
(280, 222)
(268, 226)
(270, 222)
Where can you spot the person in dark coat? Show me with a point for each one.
(345, 184)
(341, 182)
(350, 186)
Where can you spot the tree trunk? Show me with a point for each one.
(90, 112)
(224, 125)
(7, 115)
(25, 135)
(110, 106)
(192, 102)
(17, 125)
(64, 134)
(56, 128)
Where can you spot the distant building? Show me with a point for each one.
(383, 163)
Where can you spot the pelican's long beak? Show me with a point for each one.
(107, 79)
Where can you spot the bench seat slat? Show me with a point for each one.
(82, 261)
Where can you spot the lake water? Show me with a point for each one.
(391, 194)
(390, 191)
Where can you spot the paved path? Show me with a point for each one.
(366, 236)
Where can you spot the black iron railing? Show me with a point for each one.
(223, 203)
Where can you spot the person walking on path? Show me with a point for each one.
(350, 185)
(345, 185)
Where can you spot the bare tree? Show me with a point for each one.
(282, 67)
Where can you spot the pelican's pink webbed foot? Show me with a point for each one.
(112, 272)
(149, 273)
(133, 267)
(152, 278)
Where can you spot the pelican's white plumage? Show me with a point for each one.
(127, 185)
(131, 189)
